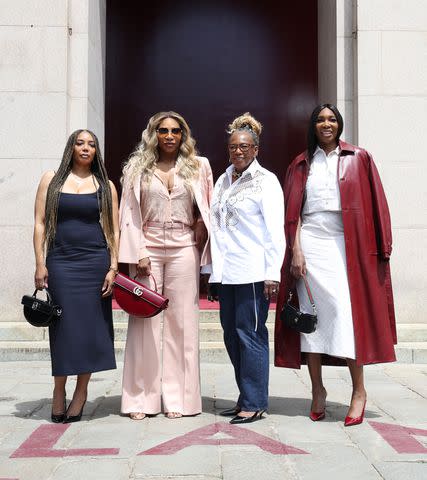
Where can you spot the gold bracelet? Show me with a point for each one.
(115, 270)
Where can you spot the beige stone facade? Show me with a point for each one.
(372, 63)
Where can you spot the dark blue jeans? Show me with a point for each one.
(243, 313)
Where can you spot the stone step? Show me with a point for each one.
(21, 341)
(210, 331)
(210, 352)
(206, 316)
(412, 332)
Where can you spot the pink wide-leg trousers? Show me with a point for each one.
(164, 365)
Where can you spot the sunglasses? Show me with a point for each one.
(173, 131)
(244, 147)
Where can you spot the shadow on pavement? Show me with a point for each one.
(288, 407)
(101, 407)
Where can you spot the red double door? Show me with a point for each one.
(211, 61)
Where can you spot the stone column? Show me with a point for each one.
(51, 82)
(335, 59)
(392, 105)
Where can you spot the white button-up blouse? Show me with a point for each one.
(322, 189)
(247, 227)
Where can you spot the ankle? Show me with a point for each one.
(358, 394)
(80, 395)
(58, 395)
(318, 391)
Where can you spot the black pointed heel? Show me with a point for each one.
(230, 412)
(59, 417)
(74, 418)
(238, 420)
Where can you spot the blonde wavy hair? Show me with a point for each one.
(246, 123)
(142, 162)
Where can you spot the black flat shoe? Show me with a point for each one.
(59, 417)
(74, 418)
(238, 420)
(230, 412)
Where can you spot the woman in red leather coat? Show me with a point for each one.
(338, 234)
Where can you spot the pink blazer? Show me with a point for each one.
(132, 242)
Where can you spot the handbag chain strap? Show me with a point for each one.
(310, 296)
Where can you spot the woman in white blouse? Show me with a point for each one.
(338, 235)
(247, 247)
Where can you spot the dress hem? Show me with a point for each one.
(83, 373)
(342, 356)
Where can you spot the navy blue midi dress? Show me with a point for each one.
(82, 340)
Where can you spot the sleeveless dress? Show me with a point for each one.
(82, 341)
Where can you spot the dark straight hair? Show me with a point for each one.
(311, 134)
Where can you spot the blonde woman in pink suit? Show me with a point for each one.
(164, 223)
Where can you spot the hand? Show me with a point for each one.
(107, 287)
(40, 277)
(201, 234)
(298, 268)
(204, 282)
(270, 288)
(213, 292)
(143, 269)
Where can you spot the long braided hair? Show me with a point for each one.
(99, 172)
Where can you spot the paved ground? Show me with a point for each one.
(391, 444)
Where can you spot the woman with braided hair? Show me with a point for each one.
(247, 246)
(75, 244)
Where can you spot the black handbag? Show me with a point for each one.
(295, 319)
(40, 313)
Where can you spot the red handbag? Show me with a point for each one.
(137, 299)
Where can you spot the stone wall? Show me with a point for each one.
(372, 64)
(51, 82)
(391, 100)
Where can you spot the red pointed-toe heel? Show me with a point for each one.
(317, 416)
(320, 415)
(351, 421)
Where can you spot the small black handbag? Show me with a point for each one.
(295, 319)
(40, 313)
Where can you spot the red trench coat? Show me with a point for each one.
(367, 234)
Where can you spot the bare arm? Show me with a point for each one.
(41, 273)
(114, 255)
(107, 286)
(298, 267)
(200, 232)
